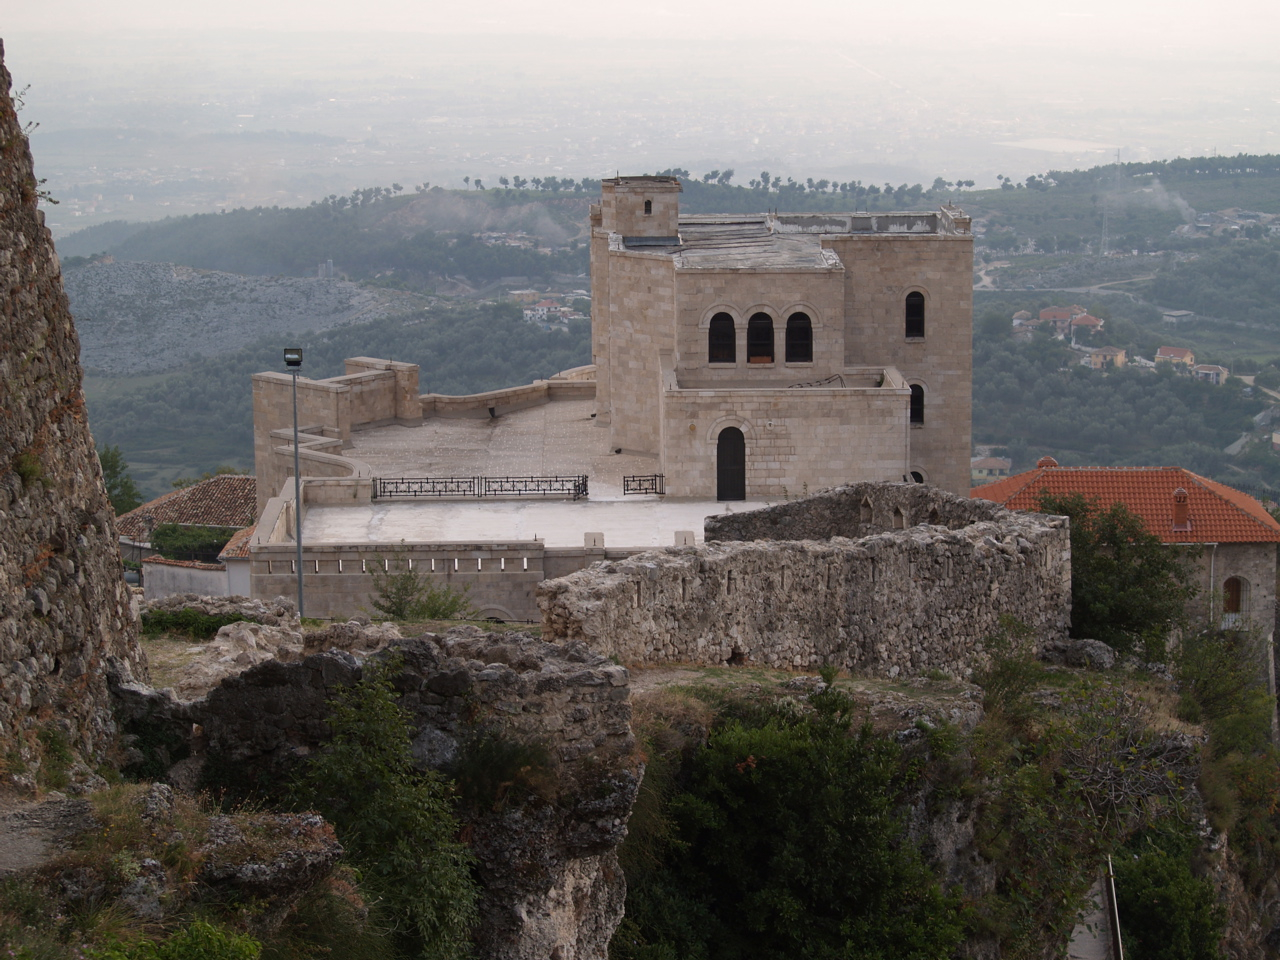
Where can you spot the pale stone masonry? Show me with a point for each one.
(883, 579)
(831, 404)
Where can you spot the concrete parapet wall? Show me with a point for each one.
(897, 602)
(476, 405)
(165, 578)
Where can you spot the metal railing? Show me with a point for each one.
(647, 483)
(833, 380)
(452, 487)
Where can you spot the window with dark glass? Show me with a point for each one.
(720, 340)
(917, 403)
(648, 207)
(915, 314)
(799, 338)
(760, 339)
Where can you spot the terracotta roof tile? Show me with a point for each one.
(1218, 513)
(189, 564)
(237, 547)
(229, 500)
(1173, 353)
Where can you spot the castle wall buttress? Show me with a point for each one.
(641, 323)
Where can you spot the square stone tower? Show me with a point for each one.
(759, 355)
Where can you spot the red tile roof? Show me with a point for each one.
(189, 564)
(1173, 353)
(1218, 513)
(229, 500)
(1085, 320)
(237, 547)
(1056, 313)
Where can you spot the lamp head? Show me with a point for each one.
(293, 356)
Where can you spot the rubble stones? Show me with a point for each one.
(64, 607)
(1093, 654)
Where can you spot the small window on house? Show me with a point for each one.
(1235, 601)
(917, 403)
(648, 209)
(915, 314)
(760, 339)
(721, 347)
(799, 338)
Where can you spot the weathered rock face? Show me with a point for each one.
(547, 862)
(64, 607)
(901, 599)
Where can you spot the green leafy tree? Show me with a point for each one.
(121, 490)
(396, 822)
(1167, 912)
(790, 844)
(1128, 589)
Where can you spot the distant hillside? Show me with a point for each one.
(137, 317)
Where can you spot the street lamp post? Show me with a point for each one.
(293, 360)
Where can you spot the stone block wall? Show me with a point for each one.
(64, 606)
(795, 439)
(901, 601)
(880, 271)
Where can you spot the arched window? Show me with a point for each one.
(916, 476)
(721, 347)
(899, 519)
(915, 314)
(917, 403)
(1235, 601)
(799, 338)
(648, 207)
(760, 339)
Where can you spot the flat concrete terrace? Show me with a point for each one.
(554, 439)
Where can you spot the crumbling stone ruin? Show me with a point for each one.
(885, 579)
(64, 607)
(551, 882)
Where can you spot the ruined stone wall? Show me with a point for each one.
(901, 601)
(64, 607)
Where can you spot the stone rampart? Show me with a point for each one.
(884, 602)
(64, 607)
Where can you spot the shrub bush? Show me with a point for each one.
(395, 822)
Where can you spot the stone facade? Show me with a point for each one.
(548, 868)
(660, 281)
(841, 579)
(64, 606)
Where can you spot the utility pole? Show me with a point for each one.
(293, 360)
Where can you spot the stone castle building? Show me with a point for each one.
(739, 360)
(756, 354)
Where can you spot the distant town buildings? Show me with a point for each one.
(1176, 355)
(1211, 372)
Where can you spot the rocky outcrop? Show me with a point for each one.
(64, 607)
(545, 840)
(273, 613)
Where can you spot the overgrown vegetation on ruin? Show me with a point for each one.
(738, 841)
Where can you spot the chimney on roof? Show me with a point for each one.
(1181, 510)
(1046, 462)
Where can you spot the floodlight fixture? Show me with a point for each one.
(293, 356)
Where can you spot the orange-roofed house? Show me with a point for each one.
(1086, 323)
(1233, 537)
(1176, 355)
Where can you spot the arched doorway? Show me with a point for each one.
(731, 465)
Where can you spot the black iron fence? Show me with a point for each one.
(442, 487)
(648, 483)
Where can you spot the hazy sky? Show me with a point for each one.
(151, 107)
(1250, 27)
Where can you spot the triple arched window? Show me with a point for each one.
(914, 309)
